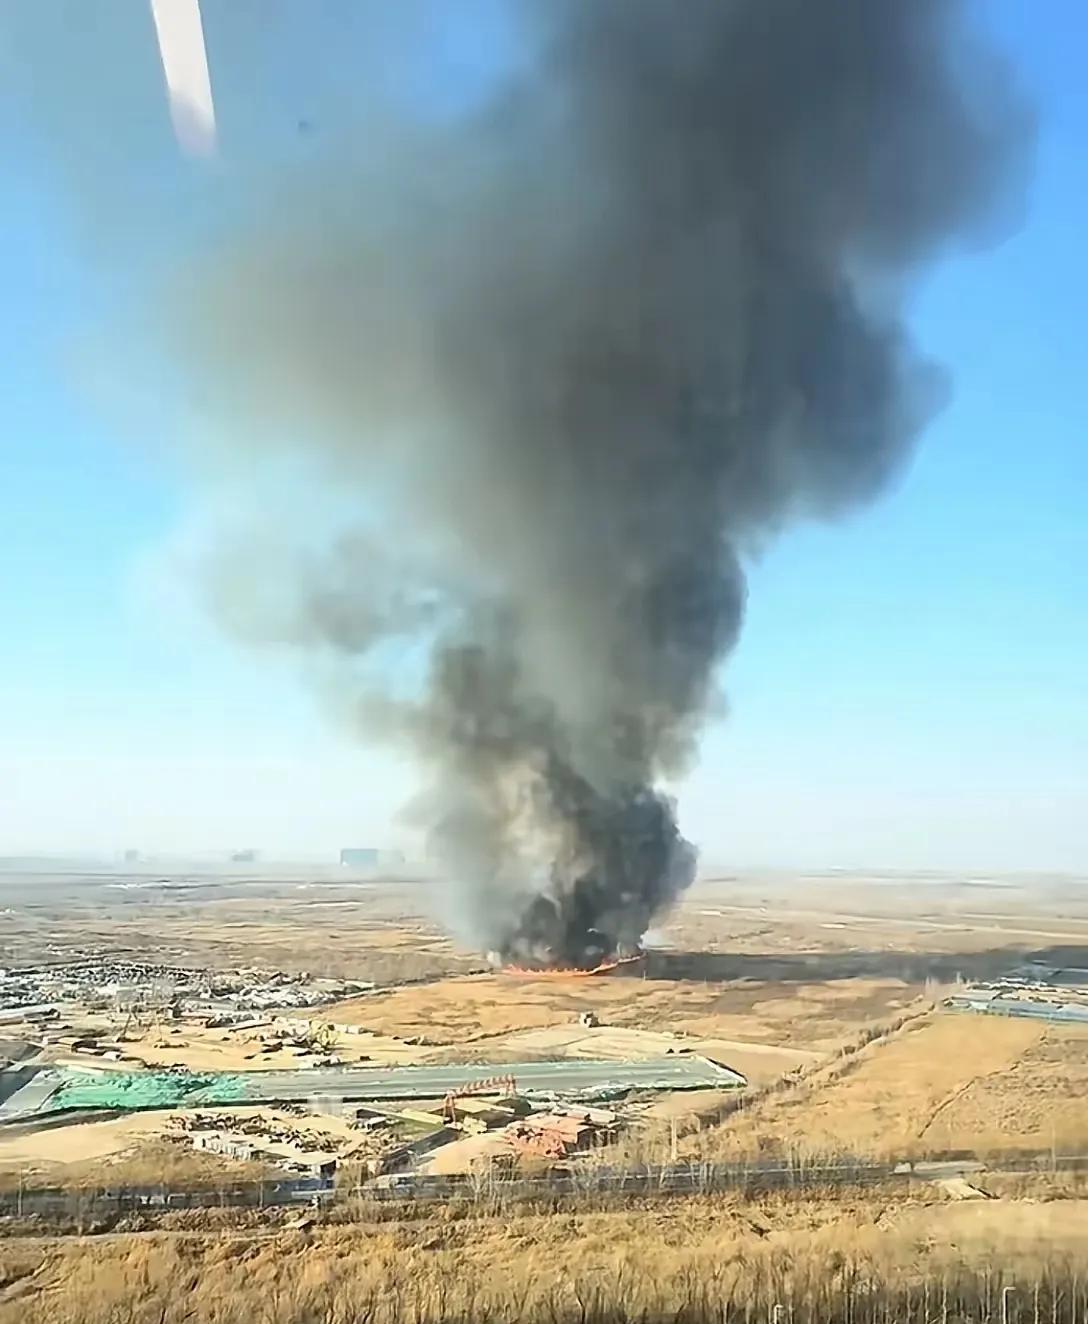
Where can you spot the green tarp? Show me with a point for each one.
(148, 1089)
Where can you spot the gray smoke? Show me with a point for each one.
(575, 356)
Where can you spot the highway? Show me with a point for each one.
(582, 1079)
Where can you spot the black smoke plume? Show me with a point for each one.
(575, 355)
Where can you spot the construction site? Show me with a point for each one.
(731, 1051)
(812, 1068)
(78, 1078)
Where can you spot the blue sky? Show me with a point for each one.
(911, 689)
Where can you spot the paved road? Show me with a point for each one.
(577, 1078)
(33, 1090)
(570, 1079)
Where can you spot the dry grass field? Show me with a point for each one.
(643, 1263)
(782, 978)
(814, 1016)
(93, 1156)
(39, 1152)
(378, 931)
(944, 1083)
(1040, 1099)
(791, 929)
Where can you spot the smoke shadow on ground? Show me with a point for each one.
(816, 967)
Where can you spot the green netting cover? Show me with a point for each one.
(148, 1089)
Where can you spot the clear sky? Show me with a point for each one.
(911, 689)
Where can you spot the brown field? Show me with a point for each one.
(41, 1151)
(767, 974)
(468, 1009)
(203, 1049)
(782, 978)
(91, 1157)
(784, 928)
(1042, 1097)
(532, 1266)
(376, 931)
(946, 1082)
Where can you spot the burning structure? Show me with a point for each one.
(512, 392)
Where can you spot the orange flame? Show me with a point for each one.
(571, 972)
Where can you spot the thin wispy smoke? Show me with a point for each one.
(574, 357)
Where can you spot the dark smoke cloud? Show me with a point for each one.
(575, 357)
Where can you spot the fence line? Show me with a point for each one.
(637, 1180)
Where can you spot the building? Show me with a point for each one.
(403, 1157)
(360, 857)
(550, 1135)
(366, 1120)
(1000, 1002)
(220, 1142)
(493, 1112)
(421, 1117)
(260, 1149)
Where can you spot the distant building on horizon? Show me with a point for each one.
(360, 857)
